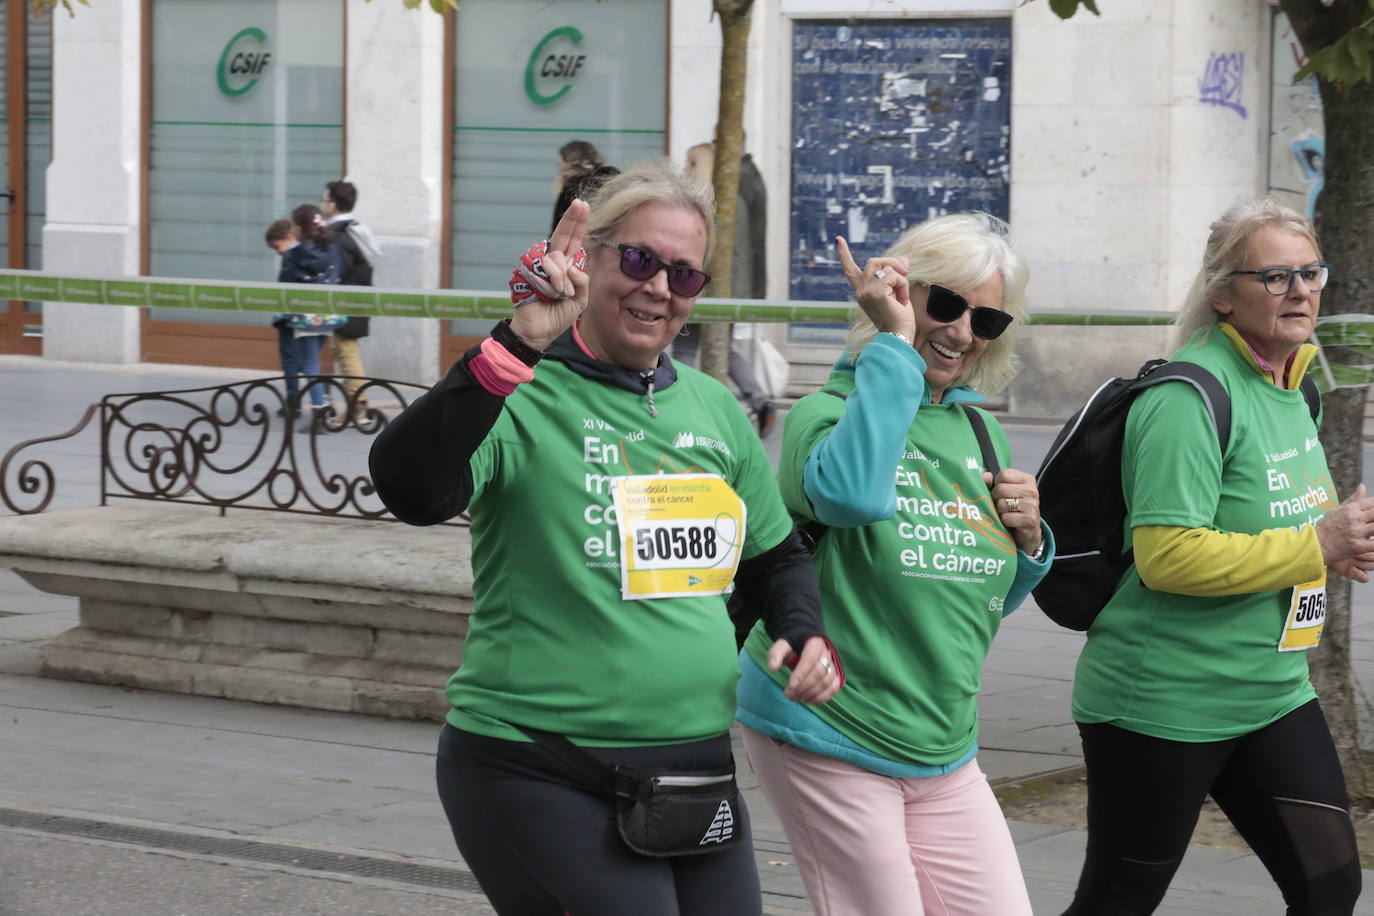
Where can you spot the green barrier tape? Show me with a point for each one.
(306, 298)
(169, 295)
(163, 292)
(347, 302)
(1339, 335)
(214, 297)
(87, 291)
(1134, 319)
(401, 305)
(261, 300)
(40, 288)
(122, 292)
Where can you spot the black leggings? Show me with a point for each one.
(1281, 787)
(539, 848)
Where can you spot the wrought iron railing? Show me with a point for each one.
(242, 446)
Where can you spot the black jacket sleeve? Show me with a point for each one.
(779, 586)
(302, 264)
(419, 463)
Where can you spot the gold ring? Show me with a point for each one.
(1013, 504)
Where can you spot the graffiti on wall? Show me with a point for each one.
(1297, 132)
(1223, 82)
(893, 122)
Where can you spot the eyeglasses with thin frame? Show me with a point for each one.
(945, 306)
(1278, 281)
(639, 264)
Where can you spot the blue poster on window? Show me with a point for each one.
(893, 122)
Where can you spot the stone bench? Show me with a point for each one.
(328, 613)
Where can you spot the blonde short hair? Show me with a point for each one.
(962, 251)
(657, 181)
(1228, 246)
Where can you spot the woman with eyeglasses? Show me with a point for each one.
(613, 498)
(1193, 681)
(921, 552)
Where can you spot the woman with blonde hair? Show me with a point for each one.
(586, 763)
(921, 552)
(1193, 681)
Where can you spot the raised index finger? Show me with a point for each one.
(851, 270)
(570, 235)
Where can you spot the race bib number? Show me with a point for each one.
(680, 534)
(1306, 617)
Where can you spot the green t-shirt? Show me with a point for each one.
(911, 602)
(551, 643)
(1188, 668)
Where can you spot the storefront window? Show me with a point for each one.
(28, 102)
(531, 76)
(247, 122)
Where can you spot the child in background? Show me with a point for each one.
(297, 344)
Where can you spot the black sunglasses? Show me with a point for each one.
(945, 306)
(638, 264)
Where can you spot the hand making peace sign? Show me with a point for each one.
(560, 286)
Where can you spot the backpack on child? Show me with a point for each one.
(1080, 488)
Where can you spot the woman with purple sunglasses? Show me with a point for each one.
(879, 790)
(608, 491)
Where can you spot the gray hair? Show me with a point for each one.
(657, 181)
(962, 251)
(1228, 246)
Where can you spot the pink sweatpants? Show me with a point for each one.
(872, 845)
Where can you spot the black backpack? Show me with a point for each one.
(743, 605)
(1080, 488)
(357, 271)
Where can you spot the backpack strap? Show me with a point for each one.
(1213, 394)
(1312, 395)
(980, 429)
(980, 432)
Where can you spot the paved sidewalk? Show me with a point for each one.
(118, 801)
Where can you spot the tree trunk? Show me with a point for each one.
(1347, 199)
(734, 32)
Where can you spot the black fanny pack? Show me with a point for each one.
(660, 812)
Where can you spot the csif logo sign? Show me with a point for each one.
(552, 66)
(242, 62)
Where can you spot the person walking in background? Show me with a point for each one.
(748, 279)
(307, 256)
(879, 791)
(359, 253)
(581, 170)
(1194, 680)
